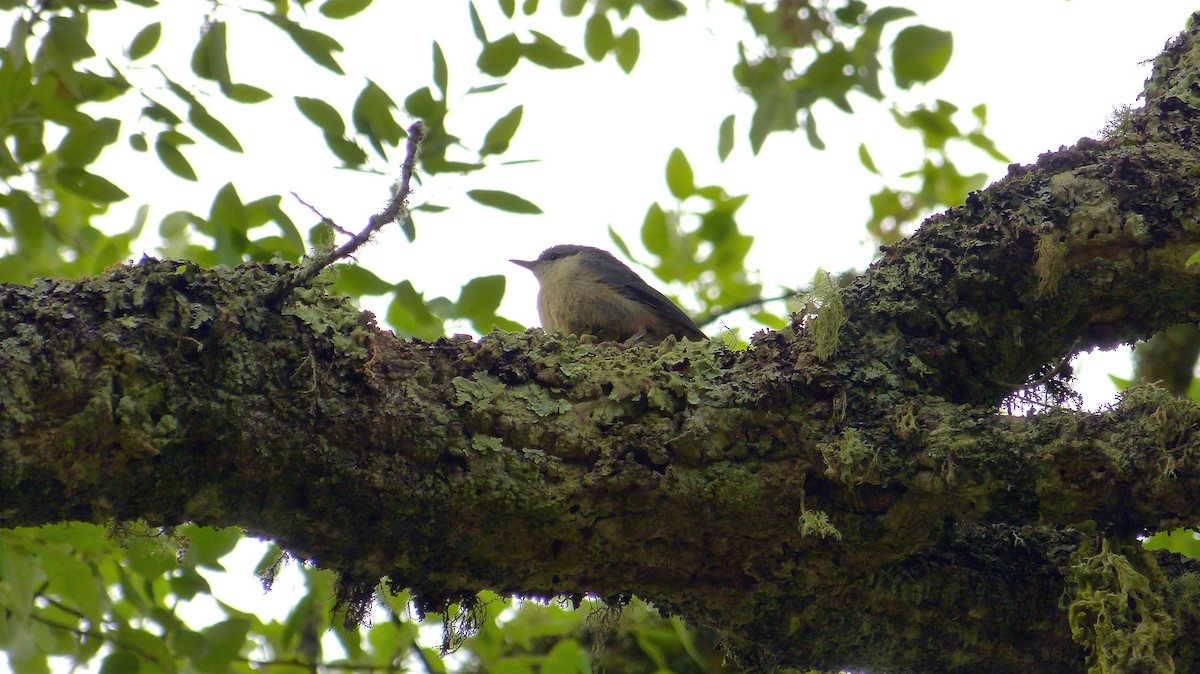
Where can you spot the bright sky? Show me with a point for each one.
(1050, 72)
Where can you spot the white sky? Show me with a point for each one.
(1049, 71)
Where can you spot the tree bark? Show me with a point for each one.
(841, 494)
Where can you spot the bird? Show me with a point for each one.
(585, 290)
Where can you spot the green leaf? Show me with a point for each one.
(986, 144)
(504, 201)
(498, 137)
(324, 115)
(246, 93)
(210, 59)
(655, 232)
(372, 117)
(150, 647)
(572, 7)
(529, 7)
(421, 103)
(346, 150)
(188, 583)
(627, 48)
(547, 53)
(89, 186)
(160, 113)
(865, 157)
(479, 299)
(920, 54)
(441, 75)
(341, 9)
(120, 662)
(725, 138)
(409, 315)
(207, 545)
(29, 228)
(145, 41)
(477, 24)
(1194, 258)
(169, 154)
(68, 38)
(680, 179)
(74, 582)
(509, 7)
(567, 656)
(222, 642)
(619, 243)
(316, 45)
(486, 88)
(357, 281)
(664, 10)
(228, 215)
(83, 143)
(213, 128)
(810, 130)
(1181, 541)
(1120, 383)
(598, 36)
(888, 14)
(500, 57)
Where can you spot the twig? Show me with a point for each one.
(712, 318)
(396, 209)
(1045, 378)
(324, 219)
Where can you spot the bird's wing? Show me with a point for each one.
(625, 281)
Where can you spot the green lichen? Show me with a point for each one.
(324, 313)
(540, 400)
(479, 389)
(1120, 125)
(816, 523)
(487, 443)
(904, 422)
(850, 459)
(1049, 264)
(1114, 611)
(1176, 72)
(826, 325)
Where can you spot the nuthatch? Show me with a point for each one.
(587, 290)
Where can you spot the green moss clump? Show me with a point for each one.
(1114, 611)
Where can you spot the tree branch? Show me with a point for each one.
(708, 481)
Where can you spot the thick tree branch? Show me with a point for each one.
(866, 509)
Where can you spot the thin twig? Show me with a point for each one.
(1047, 377)
(396, 209)
(712, 318)
(324, 219)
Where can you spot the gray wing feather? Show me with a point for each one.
(627, 282)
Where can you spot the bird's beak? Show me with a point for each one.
(528, 264)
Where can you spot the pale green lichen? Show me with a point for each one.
(816, 523)
(323, 313)
(850, 459)
(904, 421)
(1049, 264)
(1120, 125)
(826, 325)
(1115, 613)
(487, 443)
